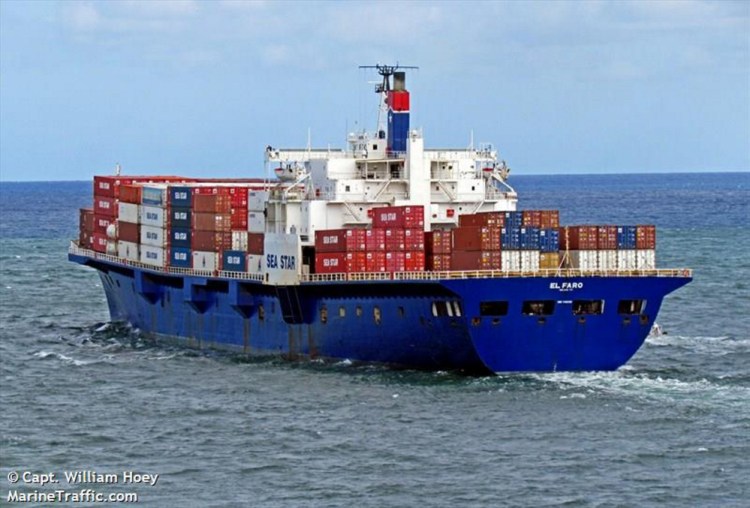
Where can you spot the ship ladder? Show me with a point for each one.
(291, 308)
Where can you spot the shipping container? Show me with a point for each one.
(180, 257)
(212, 222)
(205, 260)
(128, 212)
(154, 195)
(151, 255)
(130, 194)
(438, 242)
(398, 100)
(128, 250)
(510, 238)
(626, 237)
(234, 261)
(99, 242)
(256, 222)
(531, 218)
(530, 260)
(212, 203)
(395, 261)
(180, 196)
(239, 218)
(482, 219)
(86, 219)
(583, 259)
(153, 216)
(606, 237)
(180, 217)
(128, 232)
(550, 219)
(607, 260)
(102, 222)
(330, 262)
(529, 239)
(256, 200)
(513, 220)
(254, 263)
(356, 262)
(239, 240)
(627, 259)
(477, 238)
(181, 237)
(414, 260)
(579, 238)
(375, 240)
(476, 260)
(511, 261)
(398, 217)
(340, 240)
(438, 262)
(645, 237)
(394, 239)
(375, 261)
(108, 186)
(210, 190)
(85, 239)
(105, 206)
(255, 243)
(645, 259)
(549, 240)
(549, 260)
(211, 241)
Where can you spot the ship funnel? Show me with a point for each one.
(399, 81)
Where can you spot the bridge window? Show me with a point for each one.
(588, 307)
(631, 307)
(496, 308)
(538, 307)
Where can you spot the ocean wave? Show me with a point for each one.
(43, 355)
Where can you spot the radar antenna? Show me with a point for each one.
(386, 71)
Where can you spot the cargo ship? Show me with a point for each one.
(383, 252)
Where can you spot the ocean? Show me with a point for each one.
(671, 428)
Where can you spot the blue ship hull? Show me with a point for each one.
(431, 325)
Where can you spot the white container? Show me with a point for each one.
(584, 259)
(239, 240)
(256, 200)
(530, 260)
(151, 255)
(255, 263)
(256, 222)
(112, 247)
(511, 261)
(607, 259)
(626, 260)
(154, 194)
(645, 259)
(128, 250)
(127, 212)
(153, 216)
(205, 260)
(151, 235)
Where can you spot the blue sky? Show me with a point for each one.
(200, 88)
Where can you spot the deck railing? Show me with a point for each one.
(385, 276)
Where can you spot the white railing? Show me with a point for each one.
(382, 276)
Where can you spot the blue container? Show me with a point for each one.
(180, 217)
(530, 238)
(513, 219)
(549, 240)
(626, 237)
(510, 238)
(234, 261)
(154, 196)
(181, 196)
(398, 131)
(180, 237)
(180, 257)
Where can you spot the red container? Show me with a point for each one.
(105, 206)
(398, 217)
(128, 232)
(394, 239)
(438, 242)
(398, 100)
(86, 220)
(330, 262)
(482, 219)
(531, 218)
(477, 238)
(130, 194)
(356, 261)
(414, 261)
(645, 237)
(214, 241)
(216, 203)
(579, 238)
(212, 222)
(238, 197)
(108, 186)
(255, 243)
(101, 223)
(239, 218)
(375, 261)
(606, 237)
(395, 262)
(99, 242)
(413, 239)
(476, 260)
(550, 219)
(375, 240)
(340, 240)
(85, 239)
(209, 190)
(438, 262)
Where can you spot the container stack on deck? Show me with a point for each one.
(608, 247)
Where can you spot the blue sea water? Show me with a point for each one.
(672, 428)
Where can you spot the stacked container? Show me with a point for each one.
(340, 251)
(403, 239)
(154, 218)
(211, 226)
(128, 222)
(438, 247)
(180, 226)
(645, 245)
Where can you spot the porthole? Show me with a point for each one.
(342, 311)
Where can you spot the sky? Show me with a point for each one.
(200, 88)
